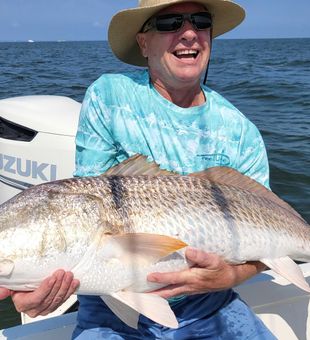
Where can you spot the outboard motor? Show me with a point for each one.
(37, 141)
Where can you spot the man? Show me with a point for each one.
(166, 114)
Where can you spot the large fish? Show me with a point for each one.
(112, 230)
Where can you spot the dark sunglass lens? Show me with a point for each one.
(202, 21)
(168, 23)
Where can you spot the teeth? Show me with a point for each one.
(186, 52)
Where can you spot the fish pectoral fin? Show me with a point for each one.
(6, 267)
(287, 268)
(149, 247)
(152, 306)
(127, 314)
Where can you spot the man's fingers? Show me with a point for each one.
(48, 297)
(25, 301)
(202, 259)
(67, 288)
(199, 259)
(53, 299)
(57, 296)
(60, 293)
(72, 289)
(172, 278)
(206, 267)
(171, 291)
(4, 293)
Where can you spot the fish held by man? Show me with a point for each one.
(113, 230)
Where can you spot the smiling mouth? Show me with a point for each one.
(187, 54)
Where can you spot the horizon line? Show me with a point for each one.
(96, 40)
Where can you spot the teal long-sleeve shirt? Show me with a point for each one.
(123, 114)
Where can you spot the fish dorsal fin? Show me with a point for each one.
(137, 165)
(232, 177)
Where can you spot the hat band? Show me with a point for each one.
(151, 3)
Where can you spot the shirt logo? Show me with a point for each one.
(216, 158)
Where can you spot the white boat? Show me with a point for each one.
(36, 141)
(37, 144)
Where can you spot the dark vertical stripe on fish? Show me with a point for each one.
(225, 208)
(118, 191)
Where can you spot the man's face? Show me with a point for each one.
(177, 58)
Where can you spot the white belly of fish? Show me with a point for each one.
(100, 271)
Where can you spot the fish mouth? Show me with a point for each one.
(188, 53)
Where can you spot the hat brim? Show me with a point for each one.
(125, 25)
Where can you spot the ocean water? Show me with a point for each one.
(268, 80)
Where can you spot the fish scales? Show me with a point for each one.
(191, 209)
(191, 202)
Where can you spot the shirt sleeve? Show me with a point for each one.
(95, 147)
(253, 160)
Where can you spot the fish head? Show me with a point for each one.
(46, 219)
(23, 221)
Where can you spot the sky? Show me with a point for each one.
(51, 20)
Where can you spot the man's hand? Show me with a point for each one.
(4, 293)
(52, 293)
(209, 273)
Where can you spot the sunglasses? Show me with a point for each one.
(174, 22)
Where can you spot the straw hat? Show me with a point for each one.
(127, 23)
